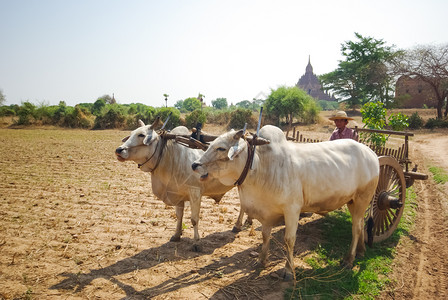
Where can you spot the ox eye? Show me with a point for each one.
(141, 135)
(221, 149)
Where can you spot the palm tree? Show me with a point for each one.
(201, 98)
(166, 99)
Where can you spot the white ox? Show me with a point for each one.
(289, 178)
(172, 179)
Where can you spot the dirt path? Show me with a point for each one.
(421, 268)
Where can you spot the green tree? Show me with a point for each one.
(287, 102)
(243, 104)
(179, 105)
(98, 107)
(364, 75)
(166, 99)
(191, 104)
(430, 64)
(220, 103)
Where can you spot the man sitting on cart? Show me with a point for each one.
(342, 131)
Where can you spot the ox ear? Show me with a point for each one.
(140, 123)
(235, 150)
(155, 123)
(125, 139)
(238, 134)
(150, 136)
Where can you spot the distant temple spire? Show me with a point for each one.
(311, 84)
(309, 67)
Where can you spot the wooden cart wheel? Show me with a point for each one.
(388, 202)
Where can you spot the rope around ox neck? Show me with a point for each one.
(250, 155)
(161, 143)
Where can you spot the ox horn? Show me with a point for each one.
(155, 123)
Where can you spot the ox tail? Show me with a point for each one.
(370, 224)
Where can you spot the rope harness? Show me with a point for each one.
(250, 157)
(162, 144)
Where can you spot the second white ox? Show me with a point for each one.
(289, 178)
(171, 176)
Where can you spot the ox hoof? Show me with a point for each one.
(175, 238)
(282, 275)
(347, 264)
(360, 254)
(287, 276)
(236, 229)
(196, 248)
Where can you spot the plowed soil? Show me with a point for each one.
(77, 224)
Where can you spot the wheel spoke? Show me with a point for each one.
(389, 218)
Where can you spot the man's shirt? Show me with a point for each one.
(347, 133)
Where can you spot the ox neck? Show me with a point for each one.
(160, 146)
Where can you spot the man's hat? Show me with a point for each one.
(340, 115)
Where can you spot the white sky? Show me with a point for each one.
(78, 50)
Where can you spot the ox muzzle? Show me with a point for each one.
(195, 166)
(118, 152)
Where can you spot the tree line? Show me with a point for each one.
(366, 75)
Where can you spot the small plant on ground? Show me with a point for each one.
(439, 175)
(415, 121)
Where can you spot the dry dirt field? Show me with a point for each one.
(77, 224)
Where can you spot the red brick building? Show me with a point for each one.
(414, 93)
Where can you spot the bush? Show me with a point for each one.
(139, 112)
(398, 121)
(197, 116)
(6, 111)
(436, 123)
(218, 117)
(328, 105)
(310, 114)
(415, 121)
(241, 116)
(163, 113)
(26, 113)
(374, 117)
(113, 118)
(79, 117)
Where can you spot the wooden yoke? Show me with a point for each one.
(188, 141)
